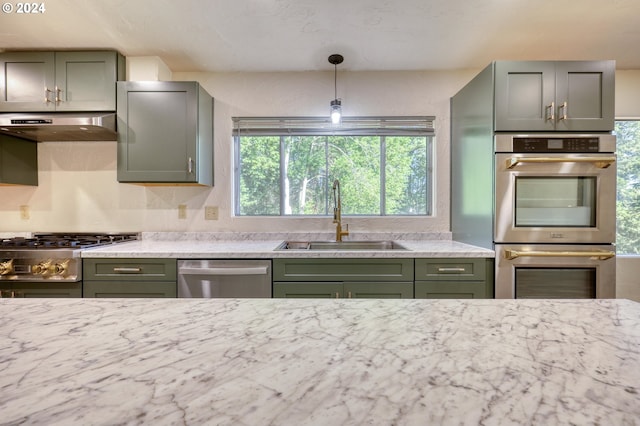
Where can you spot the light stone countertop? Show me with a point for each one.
(203, 245)
(319, 362)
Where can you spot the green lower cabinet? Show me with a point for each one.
(129, 277)
(307, 290)
(352, 290)
(454, 278)
(343, 278)
(44, 290)
(380, 290)
(450, 290)
(129, 289)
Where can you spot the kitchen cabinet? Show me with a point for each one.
(343, 278)
(554, 95)
(165, 133)
(45, 289)
(129, 277)
(349, 290)
(454, 278)
(18, 161)
(59, 81)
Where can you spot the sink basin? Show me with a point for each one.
(342, 245)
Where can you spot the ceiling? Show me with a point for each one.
(299, 35)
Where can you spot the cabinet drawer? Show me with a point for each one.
(135, 289)
(451, 269)
(343, 269)
(450, 290)
(129, 270)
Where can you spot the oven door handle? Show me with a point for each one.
(600, 255)
(599, 162)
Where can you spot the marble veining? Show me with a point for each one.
(319, 362)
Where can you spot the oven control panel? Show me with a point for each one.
(558, 144)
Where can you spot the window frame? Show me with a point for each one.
(381, 127)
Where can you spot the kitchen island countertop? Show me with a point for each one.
(258, 248)
(319, 362)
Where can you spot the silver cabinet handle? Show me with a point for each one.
(451, 269)
(58, 91)
(190, 165)
(46, 95)
(337, 295)
(128, 270)
(260, 270)
(562, 108)
(552, 108)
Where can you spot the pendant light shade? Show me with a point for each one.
(336, 104)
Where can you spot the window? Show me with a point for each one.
(628, 204)
(287, 166)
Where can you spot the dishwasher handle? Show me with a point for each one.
(253, 270)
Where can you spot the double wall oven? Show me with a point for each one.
(554, 219)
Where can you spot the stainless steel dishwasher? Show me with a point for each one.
(224, 278)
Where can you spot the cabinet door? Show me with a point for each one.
(42, 290)
(18, 161)
(86, 81)
(27, 81)
(378, 290)
(525, 96)
(157, 131)
(129, 289)
(585, 92)
(334, 270)
(450, 290)
(315, 290)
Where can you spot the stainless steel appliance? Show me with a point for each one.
(550, 271)
(555, 195)
(555, 188)
(48, 264)
(224, 278)
(60, 126)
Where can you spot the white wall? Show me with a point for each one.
(78, 190)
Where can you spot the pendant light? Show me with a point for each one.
(336, 104)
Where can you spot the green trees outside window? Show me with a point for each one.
(293, 175)
(628, 200)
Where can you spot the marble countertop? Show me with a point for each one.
(319, 362)
(248, 246)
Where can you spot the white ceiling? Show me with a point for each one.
(299, 35)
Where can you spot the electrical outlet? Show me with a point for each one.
(211, 213)
(25, 213)
(182, 211)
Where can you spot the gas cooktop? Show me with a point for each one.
(51, 257)
(64, 241)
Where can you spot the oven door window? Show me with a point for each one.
(555, 201)
(555, 283)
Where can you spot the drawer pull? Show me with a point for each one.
(451, 269)
(127, 270)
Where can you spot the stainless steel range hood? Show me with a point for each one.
(60, 126)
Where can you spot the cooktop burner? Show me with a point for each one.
(63, 240)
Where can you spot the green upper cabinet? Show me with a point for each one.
(59, 81)
(165, 133)
(18, 161)
(554, 95)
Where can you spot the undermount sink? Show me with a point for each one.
(340, 245)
